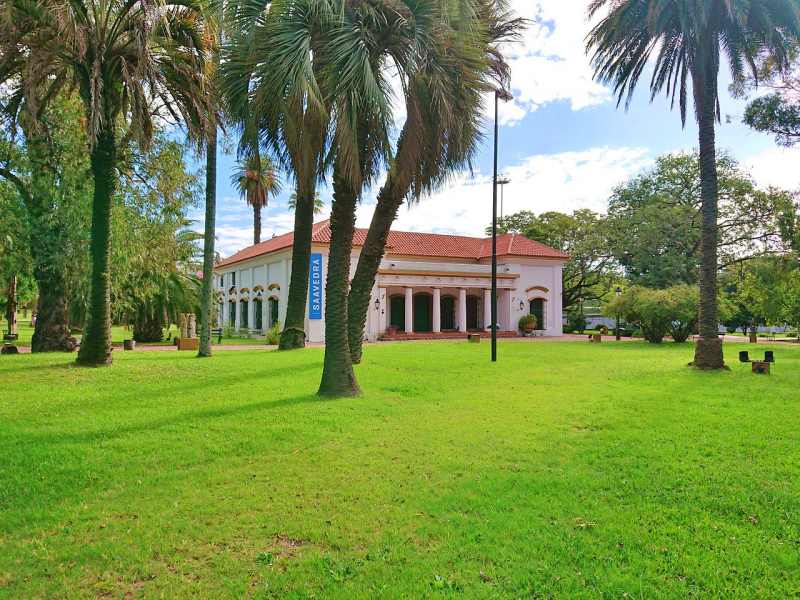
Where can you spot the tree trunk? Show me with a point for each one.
(389, 201)
(11, 305)
(207, 291)
(51, 333)
(294, 335)
(256, 224)
(338, 379)
(95, 347)
(148, 326)
(708, 351)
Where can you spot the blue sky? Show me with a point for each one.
(563, 143)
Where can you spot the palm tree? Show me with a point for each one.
(130, 61)
(319, 205)
(272, 86)
(687, 41)
(442, 128)
(255, 179)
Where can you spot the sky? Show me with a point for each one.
(563, 143)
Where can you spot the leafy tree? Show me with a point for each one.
(129, 61)
(687, 42)
(777, 113)
(49, 166)
(672, 311)
(654, 220)
(256, 178)
(583, 235)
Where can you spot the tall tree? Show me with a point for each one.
(256, 178)
(688, 41)
(48, 164)
(654, 220)
(271, 81)
(128, 61)
(583, 235)
(459, 61)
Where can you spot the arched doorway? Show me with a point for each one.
(423, 313)
(258, 313)
(232, 313)
(472, 312)
(243, 320)
(273, 311)
(448, 306)
(397, 312)
(536, 308)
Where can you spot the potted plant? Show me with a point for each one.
(527, 324)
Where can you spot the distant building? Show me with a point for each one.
(426, 284)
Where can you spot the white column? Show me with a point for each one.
(409, 309)
(462, 310)
(251, 313)
(237, 314)
(487, 309)
(437, 310)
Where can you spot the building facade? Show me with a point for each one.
(427, 284)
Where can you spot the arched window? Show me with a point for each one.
(258, 313)
(273, 311)
(243, 324)
(536, 308)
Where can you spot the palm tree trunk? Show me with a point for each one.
(256, 223)
(96, 344)
(708, 351)
(293, 335)
(389, 201)
(207, 291)
(338, 379)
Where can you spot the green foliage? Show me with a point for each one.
(576, 322)
(527, 322)
(672, 311)
(274, 335)
(654, 220)
(776, 115)
(583, 236)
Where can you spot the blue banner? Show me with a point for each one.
(315, 287)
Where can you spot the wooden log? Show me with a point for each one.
(760, 367)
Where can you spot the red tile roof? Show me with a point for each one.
(408, 243)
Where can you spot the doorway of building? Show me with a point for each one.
(448, 308)
(423, 313)
(397, 312)
(472, 312)
(536, 307)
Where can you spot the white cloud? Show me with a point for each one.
(562, 182)
(550, 63)
(776, 167)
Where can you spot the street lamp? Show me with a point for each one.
(618, 292)
(503, 182)
(499, 94)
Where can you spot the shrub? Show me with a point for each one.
(527, 323)
(658, 312)
(274, 335)
(575, 322)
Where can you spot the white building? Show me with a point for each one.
(428, 285)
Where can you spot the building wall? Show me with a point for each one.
(532, 278)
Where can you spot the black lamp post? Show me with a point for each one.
(618, 292)
(505, 96)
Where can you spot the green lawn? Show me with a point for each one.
(566, 470)
(119, 333)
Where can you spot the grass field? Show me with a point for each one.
(119, 333)
(567, 470)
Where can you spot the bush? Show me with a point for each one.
(274, 335)
(575, 322)
(527, 323)
(657, 313)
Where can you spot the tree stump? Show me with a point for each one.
(760, 367)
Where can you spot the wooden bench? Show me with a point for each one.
(217, 331)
